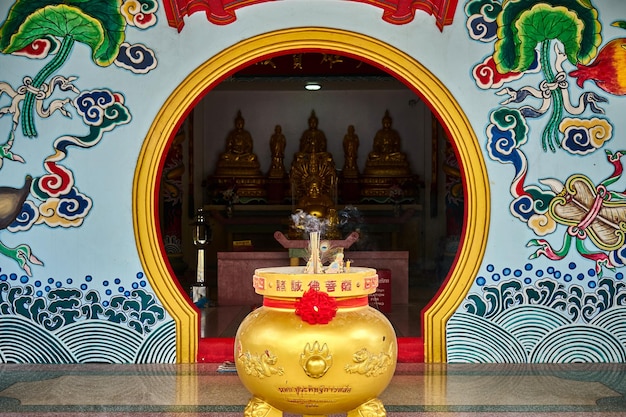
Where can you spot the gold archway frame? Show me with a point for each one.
(399, 64)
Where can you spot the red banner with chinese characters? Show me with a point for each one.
(222, 12)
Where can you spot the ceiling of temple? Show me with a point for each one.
(293, 71)
(311, 63)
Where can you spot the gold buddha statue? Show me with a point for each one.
(386, 165)
(239, 164)
(314, 201)
(238, 158)
(313, 177)
(277, 149)
(350, 150)
(313, 140)
(386, 156)
(317, 202)
(312, 162)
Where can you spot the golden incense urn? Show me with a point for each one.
(315, 347)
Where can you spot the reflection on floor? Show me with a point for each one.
(428, 390)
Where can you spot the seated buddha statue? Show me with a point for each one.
(386, 151)
(238, 154)
(313, 140)
(313, 175)
(316, 202)
(312, 158)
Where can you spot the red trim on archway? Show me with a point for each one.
(222, 12)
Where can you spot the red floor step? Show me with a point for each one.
(221, 349)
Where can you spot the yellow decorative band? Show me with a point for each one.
(351, 302)
(290, 282)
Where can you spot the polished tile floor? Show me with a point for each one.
(434, 390)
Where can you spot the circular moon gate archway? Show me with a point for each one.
(371, 50)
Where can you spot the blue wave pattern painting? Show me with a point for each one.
(548, 322)
(68, 325)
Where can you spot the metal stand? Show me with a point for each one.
(201, 238)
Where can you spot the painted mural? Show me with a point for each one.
(551, 66)
(222, 12)
(555, 73)
(54, 320)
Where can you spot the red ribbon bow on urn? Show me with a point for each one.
(316, 307)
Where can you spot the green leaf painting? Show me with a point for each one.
(96, 23)
(525, 25)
